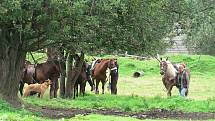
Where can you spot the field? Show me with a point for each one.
(137, 97)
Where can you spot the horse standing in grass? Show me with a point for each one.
(41, 72)
(99, 72)
(170, 75)
(82, 80)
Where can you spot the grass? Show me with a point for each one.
(96, 117)
(128, 103)
(147, 92)
(8, 113)
(203, 66)
(12, 114)
(150, 85)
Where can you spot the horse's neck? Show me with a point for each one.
(171, 71)
(104, 65)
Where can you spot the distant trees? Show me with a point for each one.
(200, 26)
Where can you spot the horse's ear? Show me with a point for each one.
(161, 59)
(167, 58)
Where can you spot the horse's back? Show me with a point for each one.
(99, 72)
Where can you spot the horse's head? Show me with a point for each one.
(163, 66)
(112, 65)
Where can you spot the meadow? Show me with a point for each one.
(136, 94)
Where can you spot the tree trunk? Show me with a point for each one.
(73, 74)
(12, 60)
(63, 73)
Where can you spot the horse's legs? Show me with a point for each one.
(21, 85)
(39, 95)
(103, 86)
(82, 88)
(167, 85)
(91, 83)
(51, 91)
(170, 86)
(97, 89)
(55, 88)
(76, 90)
(169, 90)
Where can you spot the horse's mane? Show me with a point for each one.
(171, 71)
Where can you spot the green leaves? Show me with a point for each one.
(92, 25)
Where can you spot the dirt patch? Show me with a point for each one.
(56, 113)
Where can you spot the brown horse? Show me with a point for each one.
(99, 72)
(82, 79)
(170, 75)
(41, 72)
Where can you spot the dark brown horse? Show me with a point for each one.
(81, 81)
(41, 72)
(99, 72)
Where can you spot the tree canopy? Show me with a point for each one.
(136, 26)
(111, 25)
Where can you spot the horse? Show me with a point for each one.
(99, 72)
(82, 79)
(41, 72)
(170, 74)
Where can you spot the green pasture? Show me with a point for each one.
(139, 94)
(150, 85)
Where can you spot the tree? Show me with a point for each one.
(73, 74)
(200, 26)
(24, 26)
(123, 25)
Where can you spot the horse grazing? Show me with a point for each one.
(41, 72)
(170, 75)
(99, 72)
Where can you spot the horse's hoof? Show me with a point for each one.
(92, 88)
(97, 92)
